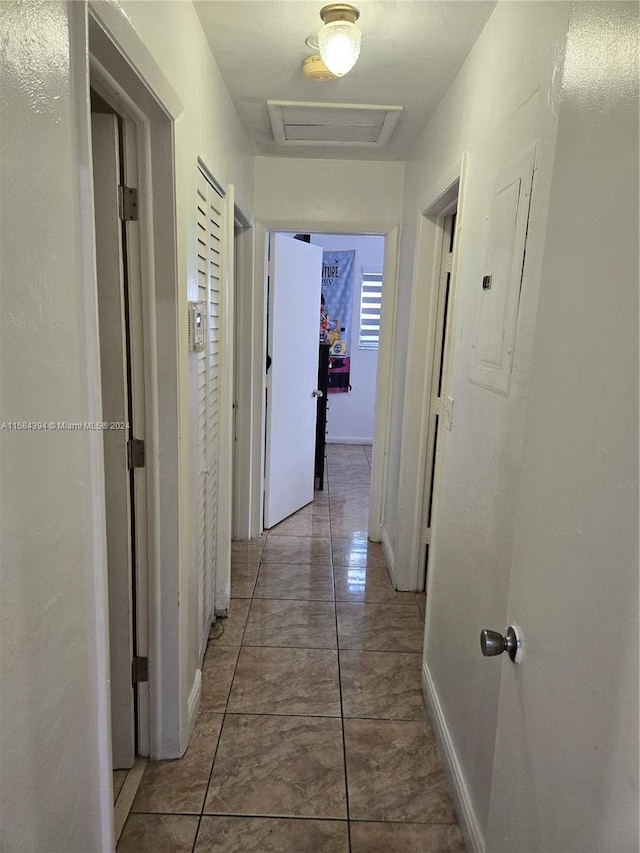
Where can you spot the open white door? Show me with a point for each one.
(115, 411)
(295, 272)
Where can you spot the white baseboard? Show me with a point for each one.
(467, 819)
(367, 440)
(193, 706)
(388, 550)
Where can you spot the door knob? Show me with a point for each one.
(492, 643)
(317, 393)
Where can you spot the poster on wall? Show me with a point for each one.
(335, 316)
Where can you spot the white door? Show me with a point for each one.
(210, 244)
(295, 272)
(565, 774)
(565, 777)
(115, 411)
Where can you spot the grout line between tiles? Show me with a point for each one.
(344, 741)
(215, 753)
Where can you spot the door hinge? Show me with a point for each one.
(128, 204)
(426, 536)
(447, 263)
(443, 406)
(135, 453)
(139, 670)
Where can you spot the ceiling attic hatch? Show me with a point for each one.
(300, 123)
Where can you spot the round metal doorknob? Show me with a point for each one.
(317, 393)
(492, 643)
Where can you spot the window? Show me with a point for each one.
(370, 305)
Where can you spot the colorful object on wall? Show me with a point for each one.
(335, 315)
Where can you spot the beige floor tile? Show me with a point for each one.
(309, 550)
(301, 624)
(381, 685)
(349, 510)
(279, 766)
(271, 835)
(181, 785)
(348, 455)
(320, 498)
(379, 627)
(405, 838)
(286, 681)
(243, 579)
(362, 583)
(247, 550)
(288, 580)
(158, 834)
(353, 525)
(394, 773)
(349, 499)
(304, 523)
(350, 478)
(356, 551)
(217, 675)
(229, 631)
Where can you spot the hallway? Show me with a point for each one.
(286, 717)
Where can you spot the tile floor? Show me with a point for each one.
(312, 736)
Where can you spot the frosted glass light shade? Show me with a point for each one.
(339, 43)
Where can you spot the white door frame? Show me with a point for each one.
(126, 73)
(252, 344)
(233, 272)
(122, 379)
(417, 424)
(243, 374)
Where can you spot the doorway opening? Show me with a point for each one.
(428, 408)
(115, 181)
(342, 314)
(438, 411)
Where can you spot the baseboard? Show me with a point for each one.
(367, 440)
(467, 819)
(388, 550)
(193, 705)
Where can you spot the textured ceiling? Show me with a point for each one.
(411, 52)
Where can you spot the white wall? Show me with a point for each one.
(502, 101)
(331, 193)
(54, 726)
(350, 416)
(54, 741)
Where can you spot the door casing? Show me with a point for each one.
(417, 423)
(125, 74)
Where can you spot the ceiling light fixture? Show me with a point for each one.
(339, 39)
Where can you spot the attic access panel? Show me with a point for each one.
(308, 123)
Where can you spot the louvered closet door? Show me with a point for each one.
(210, 242)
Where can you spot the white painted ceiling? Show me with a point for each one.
(411, 52)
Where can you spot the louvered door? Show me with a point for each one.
(210, 244)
